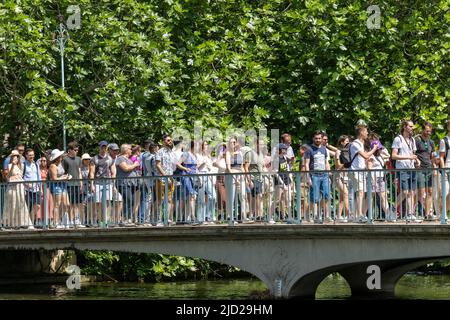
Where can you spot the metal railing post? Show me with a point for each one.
(369, 197)
(444, 197)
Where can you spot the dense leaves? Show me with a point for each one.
(149, 267)
(140, 68)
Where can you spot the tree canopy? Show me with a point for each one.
(136, 69)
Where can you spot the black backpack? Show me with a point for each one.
(345, 157)
(446, 142)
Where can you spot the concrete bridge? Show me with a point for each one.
(291, 260)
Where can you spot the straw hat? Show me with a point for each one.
(56, 153)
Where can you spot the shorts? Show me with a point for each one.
(379, 184)
(103, 190)
(160, 189)
(408, 180)
(128, 196)
(257, 188)
(75, 196)
(32, 198)
(425, 179)
(320, 186)
(58, 188)
(358, 181)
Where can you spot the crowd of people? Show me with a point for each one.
(176, 182)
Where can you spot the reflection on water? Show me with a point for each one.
(333, 287)
(202, 289)
(410, 286)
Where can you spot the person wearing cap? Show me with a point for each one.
(72, 165)
(113, 151)
(15, 210)
(425, 153)
(58, 188)
(102, 169)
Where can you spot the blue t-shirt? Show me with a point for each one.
(144, 157)
(317, 158)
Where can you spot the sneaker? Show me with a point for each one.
(271, 221)
(413, 218)
(80, 226)
(30, 228)
(341, 220)
(362, 219)
(160, 224)
(59, 226)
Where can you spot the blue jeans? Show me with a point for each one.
(320, 186)
(207, 191)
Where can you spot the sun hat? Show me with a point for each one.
(56, 153)
(86, 156)
(14, 153)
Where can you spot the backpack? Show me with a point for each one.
(345, 158)
(446, 142)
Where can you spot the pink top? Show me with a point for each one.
(137, 159)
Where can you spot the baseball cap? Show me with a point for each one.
(113, 146)
(282, 146)
(103, 143)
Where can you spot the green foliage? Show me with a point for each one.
(149, 267)
(139, 68)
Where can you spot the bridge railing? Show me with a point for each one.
(341, 196)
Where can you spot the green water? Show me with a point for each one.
(411, 286)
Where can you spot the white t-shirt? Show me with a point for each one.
(405, 148)
(442, 149)
(359, 163)
(378, 164)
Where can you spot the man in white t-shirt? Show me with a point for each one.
(444, 158)
(359, 178)
(403, 151)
